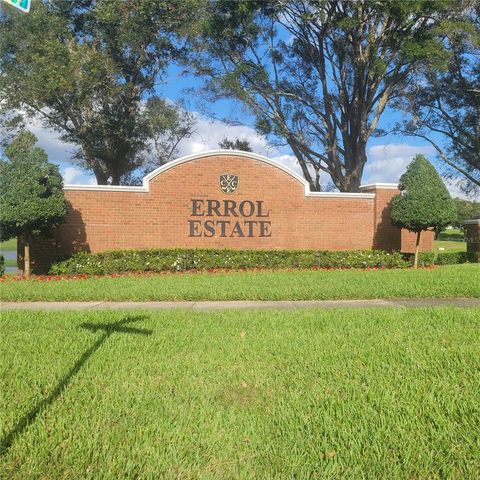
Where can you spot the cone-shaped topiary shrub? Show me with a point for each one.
(31, 192)
(424, 202)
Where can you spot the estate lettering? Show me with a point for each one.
(243, 227)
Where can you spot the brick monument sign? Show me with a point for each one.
(223, 199)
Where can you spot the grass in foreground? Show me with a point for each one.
(306, 394)
(441, 282)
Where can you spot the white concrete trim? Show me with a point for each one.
(339, 194)
(379, 185)
(227, 153)
(105, 188)
(475, 221)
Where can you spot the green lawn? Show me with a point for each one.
(379, 393)
(452, 240)
(441, 282)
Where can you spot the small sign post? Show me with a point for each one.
(23, 5)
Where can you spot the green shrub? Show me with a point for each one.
(427, 259)
(31, 193)
(2, 265)
(174, 260)
(424, 201)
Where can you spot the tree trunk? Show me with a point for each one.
(353, 185)
(26, 255)
(116, 176)
(417, 247)
(101, 177)
(349, 178)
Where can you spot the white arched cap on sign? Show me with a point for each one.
(216, 153)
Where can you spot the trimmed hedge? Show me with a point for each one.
(178, 260)
(175, 260)
(2, 265)
(448, 258)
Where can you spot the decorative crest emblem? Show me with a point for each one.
(228, 183)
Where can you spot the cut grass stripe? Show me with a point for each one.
(368, 393)
(442, 282)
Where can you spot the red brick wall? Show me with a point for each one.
(387, 236)
(108, 220)
(409, 241)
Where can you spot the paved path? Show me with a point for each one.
(242, 304)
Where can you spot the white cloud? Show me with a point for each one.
(386, 163)
(289, 161)
(70, 174)
(454, 186)
(58, 151)
(209, 133)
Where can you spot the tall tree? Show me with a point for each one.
(319, 74)
(85, 67)
(31, 193)
(424, 202)
(445, 103)
(167, 125)
(466, 210)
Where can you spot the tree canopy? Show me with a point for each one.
(166, 124)
(424, 202)
(466, 210)
(31, 191)
(318, 75)
(444, 103)
(86, 68)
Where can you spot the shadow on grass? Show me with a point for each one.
(107, 329)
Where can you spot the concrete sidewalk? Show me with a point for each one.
(243, 304)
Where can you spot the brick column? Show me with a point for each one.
(387, 236)
(472, 236)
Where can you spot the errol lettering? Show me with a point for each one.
(241, 224)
